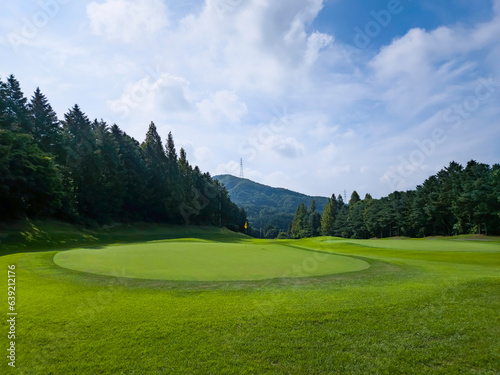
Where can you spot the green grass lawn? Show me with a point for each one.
(205, 261)
(422, 307)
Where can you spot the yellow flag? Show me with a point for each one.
(246, 224)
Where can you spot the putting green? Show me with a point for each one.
(206, 261)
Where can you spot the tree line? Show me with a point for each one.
(89, 172)
(455, 201)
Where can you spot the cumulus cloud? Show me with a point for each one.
(423, 68)
(168, 92)
(222, 105)
(258, 44)
(288, 147)
(226, 62)
(127, 20)
(202, 153)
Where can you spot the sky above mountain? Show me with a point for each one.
(315, 96)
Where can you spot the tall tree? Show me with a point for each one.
(340, 226)
(299, 219)
(4, 107)
(80, 167)
(314, 225)
(18, 113)
(47, 130)
(354, 198)
(134, 175)
(176, 194)
(156, 162)
(30, 183)
(107, 183)
(329, 216)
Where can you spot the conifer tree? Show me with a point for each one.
(47, 130)
(18, 113)
(156, 162)
(329, 216)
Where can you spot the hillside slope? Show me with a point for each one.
(265, 204)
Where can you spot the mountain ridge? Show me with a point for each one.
(267, 205)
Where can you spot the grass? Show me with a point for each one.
(423, 307)
(204, 261)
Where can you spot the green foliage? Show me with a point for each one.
(282, 236)
(328, 218)
(305, 223)
(455, 201)
(47, 131)
(266, 205)
(354, 198)
(30, 183)
(87, 172)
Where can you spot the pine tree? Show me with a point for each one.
(30, 183)
(80, 168)
(314, 225)
(47, 130)
(107, 183)
(176, 195)
(340, 226)
(329, 216)
(156, 162)
(134, 175)
(18, 113)
(300, 217)
(354, 198)
(4, 107)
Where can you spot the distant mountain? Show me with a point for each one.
(265, 204)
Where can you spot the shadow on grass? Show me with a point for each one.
(37, 236)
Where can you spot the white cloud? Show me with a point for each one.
(329, 153)
(252, 47)
(315, 43)
(202, 153)
(287, 147)
(222, 105)
(424, 68)
(168, 92)
(224, 62)
(127, 20)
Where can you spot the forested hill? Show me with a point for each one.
(265, 205)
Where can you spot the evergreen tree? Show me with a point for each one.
(30, 183)
(107, 185)
(47, 130)
(340, 227)
(79, 169)
(329, 216)
(355, 220)
(300, 217)
(156, 162)
(314, 224)
(354, 198)
(101, 174)
(4, 107)
(18, 118)
(134, 175)
(176, 195)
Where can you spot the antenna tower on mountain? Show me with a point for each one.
(241, 168)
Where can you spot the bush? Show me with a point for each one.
(282, 236)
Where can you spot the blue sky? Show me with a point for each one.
(315, 96)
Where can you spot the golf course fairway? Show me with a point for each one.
(91, 302)
(206, 261)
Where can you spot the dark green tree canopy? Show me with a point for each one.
(89, 172)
